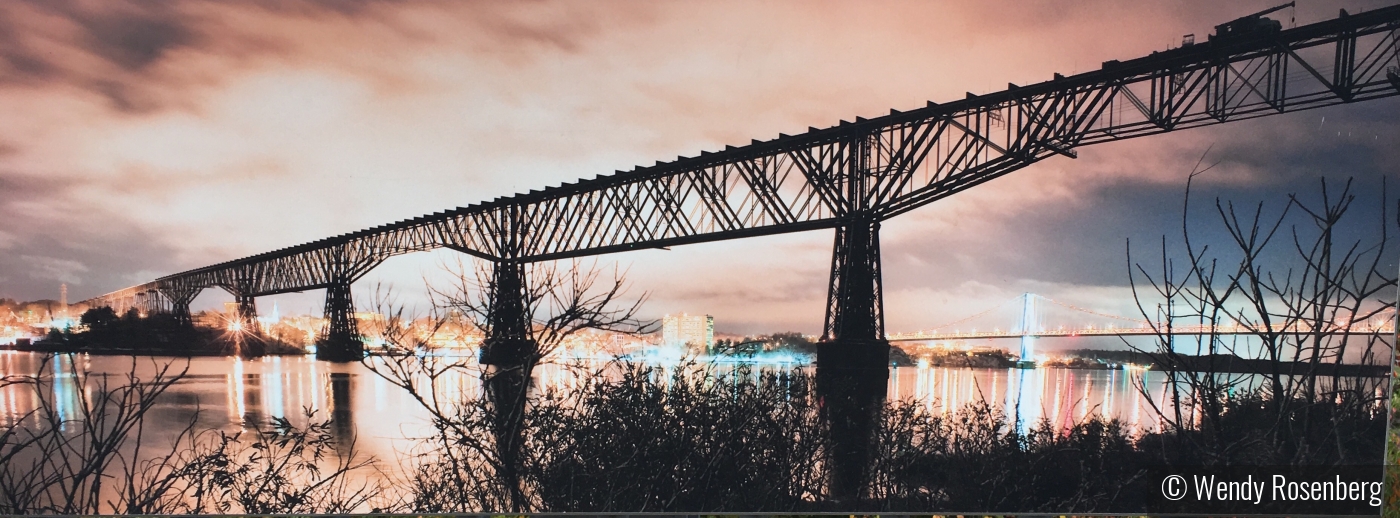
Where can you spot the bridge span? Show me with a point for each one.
(849, 177)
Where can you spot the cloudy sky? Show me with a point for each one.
(145, 138)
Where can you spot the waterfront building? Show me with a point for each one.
(688, 331)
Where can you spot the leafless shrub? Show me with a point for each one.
(273, 468)
(559, 303)
(1306, 311)
(83, 450)
(63, 460)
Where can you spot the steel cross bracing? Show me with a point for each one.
(863, 171)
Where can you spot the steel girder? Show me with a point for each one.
(907, 160)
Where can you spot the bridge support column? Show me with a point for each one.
(511, 353)
(247, 312)
(507, 343)
(341, 341)
(180, 305)
(854, 334)
(853, 358)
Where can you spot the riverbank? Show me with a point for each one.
(1221, 363)
(212, 351)
(102, 332)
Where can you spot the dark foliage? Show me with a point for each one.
(635, 438)
(158, 334)
(997, 359)
(685, 440)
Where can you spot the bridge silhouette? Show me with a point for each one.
(849, 177)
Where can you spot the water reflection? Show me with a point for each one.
(506, 389)
(342, 409)
(58, 384)
(275, 392)
(238, 399)
(244, 390)
(254, 390)
(851, 400)
(252, 399)
(1061, 396)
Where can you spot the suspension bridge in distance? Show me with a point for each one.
(849, 177)
(1031, 324)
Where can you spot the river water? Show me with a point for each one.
(225, 393)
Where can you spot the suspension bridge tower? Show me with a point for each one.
(1029, 325)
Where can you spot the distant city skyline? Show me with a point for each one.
(147, 139)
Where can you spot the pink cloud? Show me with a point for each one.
(236, 128)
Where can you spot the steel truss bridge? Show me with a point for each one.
(849, 177)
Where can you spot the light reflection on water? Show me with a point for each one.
(1063, 397)
(227, 393)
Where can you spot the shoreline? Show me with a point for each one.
(58, 349)
(1222, 366)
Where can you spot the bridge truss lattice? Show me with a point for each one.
(849, 177)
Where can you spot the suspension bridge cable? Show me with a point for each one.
(956, 322)
(1092, 312)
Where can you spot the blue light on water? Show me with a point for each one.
(674, 355)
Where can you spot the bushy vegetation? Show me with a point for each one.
(987, 359)
(636, 438)
(696, 439)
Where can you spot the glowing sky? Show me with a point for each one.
(144, 138)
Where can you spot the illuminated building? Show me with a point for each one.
(688, 330)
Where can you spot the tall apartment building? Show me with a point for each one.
(688, 330)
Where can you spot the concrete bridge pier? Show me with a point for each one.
(341, 340)
(507, 344)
